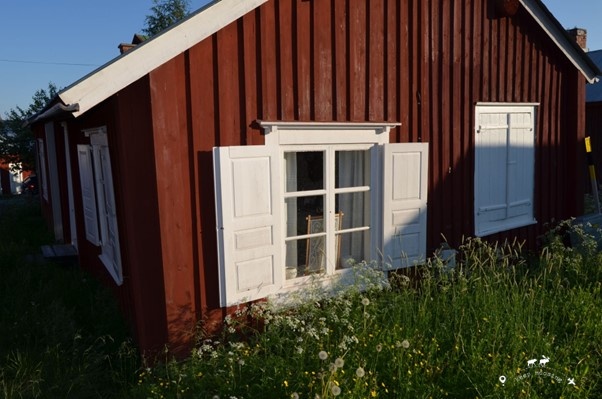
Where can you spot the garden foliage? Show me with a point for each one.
(482, 329)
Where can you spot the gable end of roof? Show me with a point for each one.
(138, 62)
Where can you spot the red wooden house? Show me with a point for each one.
(259, 142)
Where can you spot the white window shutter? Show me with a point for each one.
(111, 255)
(248, 209)
(504, 168)
(86, 176)
(521, 165)
(405, 189)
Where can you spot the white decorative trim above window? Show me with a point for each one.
(313, 200)
(504, 167)
(100, 216)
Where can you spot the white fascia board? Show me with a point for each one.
(558, 37)
(136, 63)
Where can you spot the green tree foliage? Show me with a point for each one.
(165, 13)
(16, 140)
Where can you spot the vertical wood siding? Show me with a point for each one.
(424, 63)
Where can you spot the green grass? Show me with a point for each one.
(61, 335)
(453, 335)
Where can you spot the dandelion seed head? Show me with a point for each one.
(336, 390)
(323, 355)
(294, 395)
(379, 347)
(365, 301)
(405, 344)
(339, 362)
(360, 372)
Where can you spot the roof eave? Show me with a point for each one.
(52, 111)
(138, 62)
(560, 37)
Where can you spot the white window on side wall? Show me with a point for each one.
(504, 167)
(100, 216)
(312, 201)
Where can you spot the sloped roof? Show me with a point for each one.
(134, 64)
(562, 39)
(593, 92)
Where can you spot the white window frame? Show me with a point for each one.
(265, 238)
(329, 193)
(100, 218)
(516, 179)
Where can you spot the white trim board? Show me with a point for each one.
(138, 62)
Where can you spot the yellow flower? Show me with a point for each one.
(285, 383)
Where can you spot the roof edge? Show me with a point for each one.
(561, 38)
(138, 62)
(51, 112)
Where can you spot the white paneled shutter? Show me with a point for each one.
(504, 168)
(111, 255)
(247, 185)
(86, 177)
(405, 203)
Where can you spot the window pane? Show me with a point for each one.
(295, 258)
(304, 171)
(353, 248)
(297, 211)
(355, 209)
(305, 256)
(352, 168)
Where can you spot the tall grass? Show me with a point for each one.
(467, 332)
(61, 335)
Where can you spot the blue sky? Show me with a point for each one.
(60, 41)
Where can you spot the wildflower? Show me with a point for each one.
(360, 372)
(365, 301)
(339, 362)
(323, 355)
(379, 347)
(294, 395)
(336, 390)
(405, 344)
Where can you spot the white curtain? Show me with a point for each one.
(352, 172)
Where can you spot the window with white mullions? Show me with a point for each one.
(333, 182)
(313, 198)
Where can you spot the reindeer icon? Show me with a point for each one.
(543, 361)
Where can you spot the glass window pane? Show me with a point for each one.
(305, 256)
(352, 168)
(295, 258)
(353, 248)
(297, 211)
(355, 209)
(304, 171)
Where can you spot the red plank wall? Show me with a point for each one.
(424, 63)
